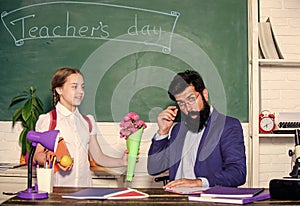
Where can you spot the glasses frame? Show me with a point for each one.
(190, 101)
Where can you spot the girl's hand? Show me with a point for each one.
(67, 168)
(125, 157)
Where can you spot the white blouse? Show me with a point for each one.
(75, 131)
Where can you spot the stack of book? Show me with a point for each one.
(231, 195)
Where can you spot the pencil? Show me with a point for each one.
(54, 160)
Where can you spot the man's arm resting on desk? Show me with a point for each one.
(199, 182)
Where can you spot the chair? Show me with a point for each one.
(164, 179)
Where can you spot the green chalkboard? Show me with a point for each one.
(128, 51)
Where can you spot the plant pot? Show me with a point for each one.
(24, 158)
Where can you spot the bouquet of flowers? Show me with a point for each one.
(131, 130)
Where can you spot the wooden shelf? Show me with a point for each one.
(279, 62)
(276, 135)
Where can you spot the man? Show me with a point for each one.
(206, 148)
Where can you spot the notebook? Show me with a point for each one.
(106, 193)
(243, 200)
(232, 192)
(8, 165)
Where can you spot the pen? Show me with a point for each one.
(46, 159)
(54, 160)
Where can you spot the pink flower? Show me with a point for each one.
(133, 116)
(127, 124)
(140, 123)
(130, 124)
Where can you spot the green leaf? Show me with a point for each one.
(28, 145)
(40, 103)
(32, 89)
(17, 99)
(26, 112)
(22, 140)
(34, 102)
(17, 115)
(36, 114)
(31, 123)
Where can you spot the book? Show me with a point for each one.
(9, 165)
(262, 196)
(106, 193)
(186, 190)
(129, 194)
(231, 192)
(268, 45)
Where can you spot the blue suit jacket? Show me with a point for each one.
(220, 157)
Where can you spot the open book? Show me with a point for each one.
(106, 193)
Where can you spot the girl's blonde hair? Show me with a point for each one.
(58, 80)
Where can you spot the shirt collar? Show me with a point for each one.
(64, 111)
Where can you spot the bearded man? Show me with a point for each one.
(206, 148)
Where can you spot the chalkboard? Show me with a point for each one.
(128, 52)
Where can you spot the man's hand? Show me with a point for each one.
(166, 119)
(184, 183)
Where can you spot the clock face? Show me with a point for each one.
(267, 124)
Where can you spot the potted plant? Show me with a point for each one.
(27, 114)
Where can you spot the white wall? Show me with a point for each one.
(9, 142)
(280, 86)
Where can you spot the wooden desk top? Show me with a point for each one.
(96, 172)
(156, 197)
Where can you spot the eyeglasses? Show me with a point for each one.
(190, 101)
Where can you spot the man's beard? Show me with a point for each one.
(197, 124)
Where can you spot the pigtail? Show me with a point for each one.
(55, 98)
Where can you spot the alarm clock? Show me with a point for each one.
(266, 122)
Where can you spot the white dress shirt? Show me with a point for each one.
(75, 131)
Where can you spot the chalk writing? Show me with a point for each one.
(90, 20)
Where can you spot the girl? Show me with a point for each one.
(68, 92)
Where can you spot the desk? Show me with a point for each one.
(156, 197)
(101, 173)
(14, 180)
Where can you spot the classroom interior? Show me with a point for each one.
(273, 86)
